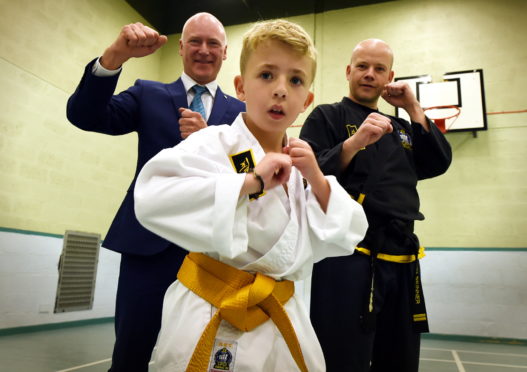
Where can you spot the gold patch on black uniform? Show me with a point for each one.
(243, 162)
(352, 129)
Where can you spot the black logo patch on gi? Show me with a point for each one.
(406, 140)
(243, 162)
(352, 129)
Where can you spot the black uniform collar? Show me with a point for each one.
(349, 102)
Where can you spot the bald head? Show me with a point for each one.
(374, 46)
(201, 19)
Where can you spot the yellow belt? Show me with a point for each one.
(243, 299)
(402, 258)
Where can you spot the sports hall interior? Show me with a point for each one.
(57, 178)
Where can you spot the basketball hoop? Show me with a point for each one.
(440, 121)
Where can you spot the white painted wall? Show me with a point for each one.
(473, 293)
(476, 293)
(29, 277)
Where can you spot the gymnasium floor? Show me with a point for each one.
(88, 348)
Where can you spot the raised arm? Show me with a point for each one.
(134, 40)
(399, 94)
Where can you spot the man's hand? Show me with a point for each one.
(190, 122)
(134, 40)
(399, 94)
(370, 131)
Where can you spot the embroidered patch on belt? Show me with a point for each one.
(223, 356)
(406, 140)
(243, 162)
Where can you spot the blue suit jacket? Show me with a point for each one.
(151, 109)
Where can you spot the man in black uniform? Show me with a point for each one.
(368, 308)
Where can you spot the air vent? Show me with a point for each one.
(77, 271)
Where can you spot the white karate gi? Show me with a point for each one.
(190, 195)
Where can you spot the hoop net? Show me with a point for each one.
(453, 112)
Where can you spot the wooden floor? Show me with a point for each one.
(88, 349)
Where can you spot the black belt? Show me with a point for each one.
(402, 232)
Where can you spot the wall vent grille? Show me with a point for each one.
(77, 271)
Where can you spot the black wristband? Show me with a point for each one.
(262, 185)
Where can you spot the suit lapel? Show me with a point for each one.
(218, 108)
(178, 94)
(179, 99)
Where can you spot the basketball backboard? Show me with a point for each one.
(463, 89)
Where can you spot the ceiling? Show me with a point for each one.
(168, 16)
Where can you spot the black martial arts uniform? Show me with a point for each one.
(356, 324)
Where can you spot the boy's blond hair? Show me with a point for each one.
(281, 30)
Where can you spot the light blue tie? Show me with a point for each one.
(197, 104)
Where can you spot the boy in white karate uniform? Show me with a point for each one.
(234, 196)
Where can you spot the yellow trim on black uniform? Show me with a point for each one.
(402, 258)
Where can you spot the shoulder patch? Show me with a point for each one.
(406, 140)
(352, 129)
(243, 162)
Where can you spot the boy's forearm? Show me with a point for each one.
(251, 185)
(321, 189)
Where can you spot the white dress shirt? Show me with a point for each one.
(207, 98)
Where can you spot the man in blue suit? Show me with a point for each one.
(162, 115)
